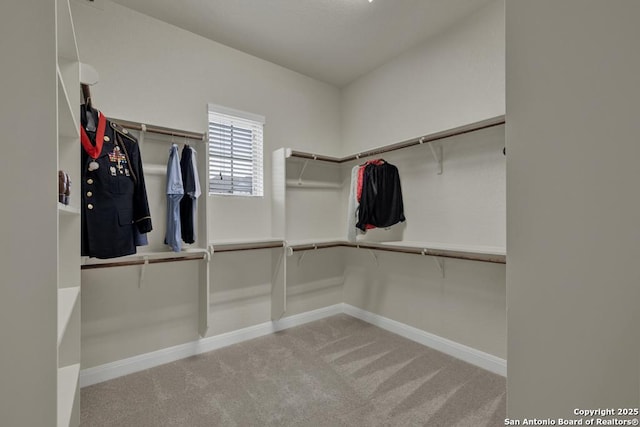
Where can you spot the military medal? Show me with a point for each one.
(119, 157)
(94, 150)
(119, 160)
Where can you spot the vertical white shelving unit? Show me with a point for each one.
(68, 280)
(306, 207)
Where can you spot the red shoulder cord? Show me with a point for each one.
(94, 150)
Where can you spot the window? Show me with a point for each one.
(235, 152)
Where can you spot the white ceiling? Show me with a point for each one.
(334, 41)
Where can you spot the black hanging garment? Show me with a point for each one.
(115, 210)
(381, 201)
(186, 204)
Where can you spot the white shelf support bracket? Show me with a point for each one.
(440, 263)
(141, 136)
(301, 257)
(289, 251)
(304, 166)
(375, 257)
(436, 151)
(143, 272)
(274, 274)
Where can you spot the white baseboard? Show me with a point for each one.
(141, 362)
(130, 365)
(459, 351)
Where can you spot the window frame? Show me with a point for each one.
(257, 172)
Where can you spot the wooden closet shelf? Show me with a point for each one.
(495, 121)
(442, 253)
(67, 387)
(319, 245)
(67, 298)
(151, 258)
(498, 258)
(244, 245)
(68, 126)
(68, 210)
(195, 136)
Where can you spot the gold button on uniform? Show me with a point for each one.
(106, 138)
(89, 181)
(89, 206)
(89, 194)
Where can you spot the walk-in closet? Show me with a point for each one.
(319, 213)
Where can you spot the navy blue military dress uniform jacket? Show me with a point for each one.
(114, 197)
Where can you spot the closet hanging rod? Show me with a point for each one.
(190, 257)
(194, 136)
(461, 130)
(244, 245)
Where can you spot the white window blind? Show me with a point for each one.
(235, 152)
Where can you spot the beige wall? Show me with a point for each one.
(573, 206)
(28, 218)
(453, 79)
(467, 306)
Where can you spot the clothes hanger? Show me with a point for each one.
(86, 94)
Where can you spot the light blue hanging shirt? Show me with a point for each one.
(175, 192)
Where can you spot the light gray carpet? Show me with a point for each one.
(338, 371)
